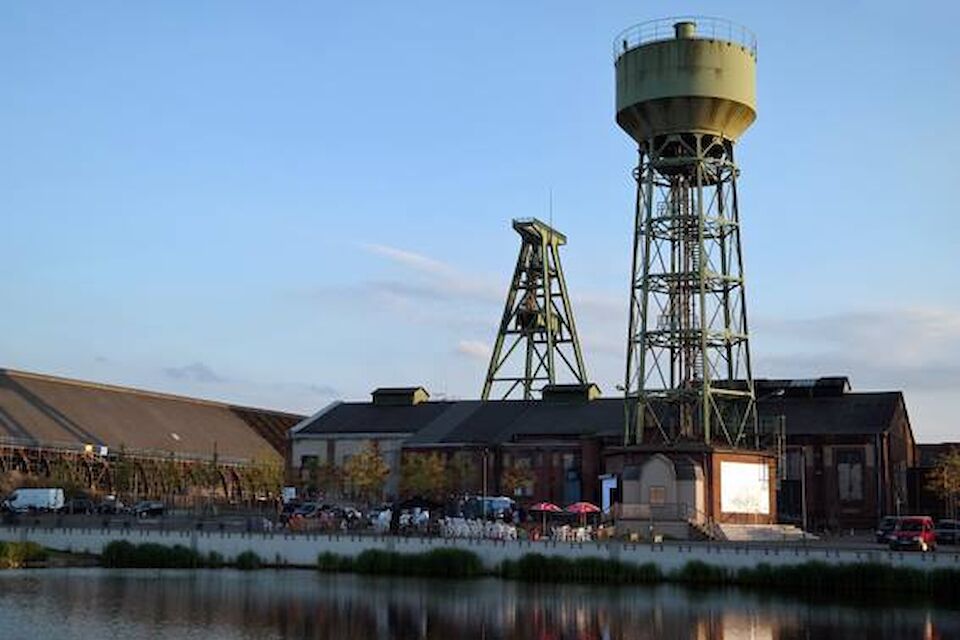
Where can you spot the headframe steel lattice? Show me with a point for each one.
(537, 340)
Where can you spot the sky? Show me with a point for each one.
(285, 204)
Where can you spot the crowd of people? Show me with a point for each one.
(491, 518)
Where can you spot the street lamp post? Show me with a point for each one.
(483, 502)
(803, 488)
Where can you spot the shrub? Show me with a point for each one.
(215, 560)
(437, 563)
(18, 554)
(821, 579)
(118, 553)
(448, 563)
(247, 561)
(123, 554)
(334, 563)
(699, 573)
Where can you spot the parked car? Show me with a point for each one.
(308, 510)
(948, 531)
(111, 505)
(288, 509)
(32, 499)
(885, 528)
(914, 532)
(80, 505)
(148, 509)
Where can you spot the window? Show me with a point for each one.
(850, 475)
(658, 495)
(307, 461)
(794, 465)
(523, 490)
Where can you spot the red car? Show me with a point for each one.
(914, 532)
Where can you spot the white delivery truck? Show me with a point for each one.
(31, 499)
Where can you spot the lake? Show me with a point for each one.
(63, 604)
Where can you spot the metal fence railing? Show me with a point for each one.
(54, 446)
(707, 28)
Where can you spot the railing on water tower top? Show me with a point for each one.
(707, 28)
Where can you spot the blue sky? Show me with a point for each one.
(281, 204)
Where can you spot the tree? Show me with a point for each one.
(367, 472)
(123, 472)
(424, 475)
(944, 479)
(326, 478)
(517, 477)
(464, 474)
(262, 479)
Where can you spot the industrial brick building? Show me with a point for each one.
(847, 453)
(855, 449)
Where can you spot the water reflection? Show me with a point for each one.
(217, 605)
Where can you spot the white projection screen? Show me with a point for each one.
(744, 487)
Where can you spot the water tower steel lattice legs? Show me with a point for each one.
(537, 342)
(688, 374)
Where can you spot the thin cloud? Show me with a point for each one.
(436, 280)
(897, 348)
(324, 391)
(474, 349)
(196, 372)
(407, 291)
(410, 259)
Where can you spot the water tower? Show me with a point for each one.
(685, 94)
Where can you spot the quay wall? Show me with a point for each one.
(303, 549)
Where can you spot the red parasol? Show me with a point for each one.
(546, 506)
(583, 508)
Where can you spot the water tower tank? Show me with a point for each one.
(681, 75)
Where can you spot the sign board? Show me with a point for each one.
(744, 487)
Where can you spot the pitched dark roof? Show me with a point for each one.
(475, 422)
(809, 387)
(505, 421)
(847, 414)
(603, 416)
(472, 421)
(48, 411)
(365, 417)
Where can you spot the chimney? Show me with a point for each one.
(399, 396)
(570, 392)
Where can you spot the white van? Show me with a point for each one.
(23, 499)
